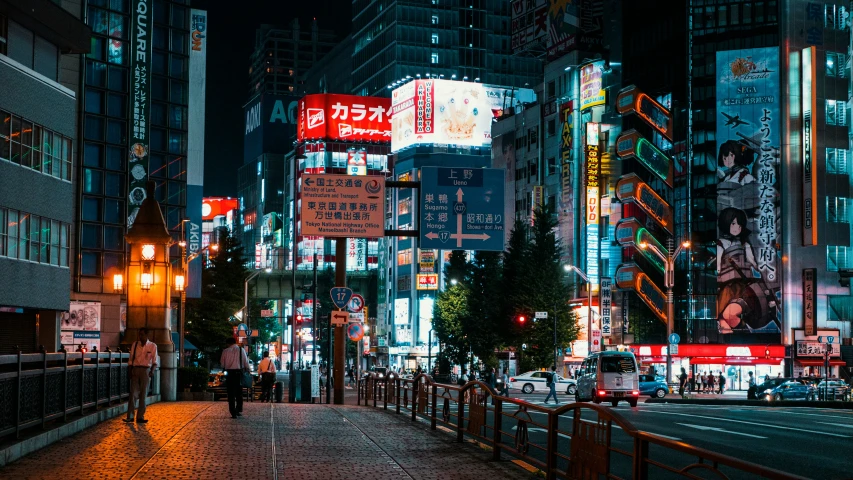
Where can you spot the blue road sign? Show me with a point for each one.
(462, 209)
(674, 338)
(341, 296)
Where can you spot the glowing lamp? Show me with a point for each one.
(179, 282)
(118, 282)
(148, 252)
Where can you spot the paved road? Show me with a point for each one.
(191, 440)
(810, 442)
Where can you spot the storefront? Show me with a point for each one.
(735, 361)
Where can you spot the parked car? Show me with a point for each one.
(530, 382)
(609, 377)
(653, 386)
(790, 390)
(833, 389)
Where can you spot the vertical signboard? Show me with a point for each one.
(592, 213)
(605, 297)
(536, 200)
(195, 146)
(809, 145)
(591, 82)
(140, 105)
(809, 299)
(748, 141)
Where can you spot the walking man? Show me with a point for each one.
(234, 361)
(505, 387)
(552, 385)
(142, 362)
(682, 382)
(267, 371)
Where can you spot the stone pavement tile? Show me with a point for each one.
(110, 450)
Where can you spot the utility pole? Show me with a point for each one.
(315, 306)
(340, 340)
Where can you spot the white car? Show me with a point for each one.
(537, 382)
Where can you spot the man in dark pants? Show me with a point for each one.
(234, 361)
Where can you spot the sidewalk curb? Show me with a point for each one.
(754, 403)
(61, 431)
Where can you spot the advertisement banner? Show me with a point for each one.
(748, 206)
(270, 125)
(401, 311)
(72, 340)
(809, 96)
(536, 199)
(426, 261)
(427, 281)
(140, 105)
(356, 254)
(593, 200)
(605, 297)
(356, 162)
(212, 207)
(425, 307)
(816, 349)
(809, 299)
(344, 117)
(81, 316)
(404, 336)
(575, 25)
(195, 146)
(592, 93)
(449, 112)
(529, 23)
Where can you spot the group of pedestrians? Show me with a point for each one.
(707, 382)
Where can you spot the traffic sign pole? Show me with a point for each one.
(340, 336)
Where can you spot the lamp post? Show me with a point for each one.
(429, 352)
(585, 278)
(669, 282)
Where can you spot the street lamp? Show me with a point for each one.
(669, 282)
(585, 278)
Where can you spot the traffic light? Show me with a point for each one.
(299, 319)
(521, 319)
(767, 352)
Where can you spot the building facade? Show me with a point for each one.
(39, 91)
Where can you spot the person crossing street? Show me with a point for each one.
(552, 385)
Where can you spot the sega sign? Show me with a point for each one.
(344, 117)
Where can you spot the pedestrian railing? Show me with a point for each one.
(578, 440)
(37, 388)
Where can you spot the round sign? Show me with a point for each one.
(355, 332)
(356, 303)
(674, 338)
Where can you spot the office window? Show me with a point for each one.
(434, 39)
(836, 113)
(551, 166)
(435, 19)
(434, 58)
(836, 65)
(838, 257)
(838, 209)
(3, 232)
(835, 17)
(23, 236)
(404, 282)
(404, 257)
(552, 127)
(836, 161)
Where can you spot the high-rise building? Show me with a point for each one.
(135, 112)
(457, 39)
(40, 47)
(282, 55)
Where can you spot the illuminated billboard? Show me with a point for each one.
(593, 202)
(427, 111)
(344, 117)
(592, 93)
(748, 204)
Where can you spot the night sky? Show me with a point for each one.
(231, 38)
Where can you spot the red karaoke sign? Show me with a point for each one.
(344, 117)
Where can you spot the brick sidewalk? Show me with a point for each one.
(189, 440)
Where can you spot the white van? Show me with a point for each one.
(609, 377)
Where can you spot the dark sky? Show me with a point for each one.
(231, 38)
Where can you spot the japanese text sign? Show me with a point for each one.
(344, 117)
(342, 206)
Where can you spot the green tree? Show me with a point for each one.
(449, 314)
(483, 323)
(540, 288)
(209, 317)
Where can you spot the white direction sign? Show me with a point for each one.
(342, 206)
(541, 314)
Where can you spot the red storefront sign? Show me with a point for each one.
(344, 117)
(212, 207)
(704, 354)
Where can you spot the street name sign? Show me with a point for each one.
(462, 209)
(342, 206)
(341, 296)
(673, 349)
(541, 314)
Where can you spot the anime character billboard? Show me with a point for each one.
(748, 140)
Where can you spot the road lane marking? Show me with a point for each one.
(620, 428)
(843, 416)
(837, 424)
(715, 429)
(801, 430)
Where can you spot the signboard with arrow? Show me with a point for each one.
(462, 209)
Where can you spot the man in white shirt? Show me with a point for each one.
(142, 362)
(234, 361)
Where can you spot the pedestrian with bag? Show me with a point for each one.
(750, 393)
(142, 362)
(505, 387)
(552, 385)
(267, 371)
(236, 365)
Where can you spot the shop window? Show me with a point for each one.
(404, 257)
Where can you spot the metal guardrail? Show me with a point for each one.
(37, 388)
(582, 440)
